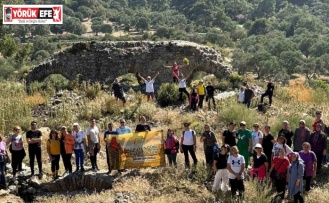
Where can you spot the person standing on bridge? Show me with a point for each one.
(175, 70)
(149, 86)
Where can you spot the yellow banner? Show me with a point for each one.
(140, 150)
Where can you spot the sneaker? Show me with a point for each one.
(66, 172)
(76, 170)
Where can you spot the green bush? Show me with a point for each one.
(223, 85)
(236, 80)
(237, 113)
(168, 94)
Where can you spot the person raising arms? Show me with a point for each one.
(149, 86)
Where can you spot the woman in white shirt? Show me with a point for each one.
(188, 144)
(182, 86)
(235, 166)
(149, 86)
(241, 95)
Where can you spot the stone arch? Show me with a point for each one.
(98, 61)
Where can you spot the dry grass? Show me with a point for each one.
(162, 184)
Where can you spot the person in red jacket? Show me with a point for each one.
(175, 70)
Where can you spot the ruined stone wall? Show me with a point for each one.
(104, 61)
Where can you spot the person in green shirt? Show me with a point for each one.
(244, 142)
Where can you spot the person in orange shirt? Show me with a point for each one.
(67, 146)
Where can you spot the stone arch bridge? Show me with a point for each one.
(104, 61)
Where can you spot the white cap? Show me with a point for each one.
(75, 124)
(285, 121)
(258, 146)
(243, 122)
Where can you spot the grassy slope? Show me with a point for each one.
(159, 185)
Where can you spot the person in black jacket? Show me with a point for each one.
(210, 95)
(269, 92)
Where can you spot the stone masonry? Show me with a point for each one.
(104, 61)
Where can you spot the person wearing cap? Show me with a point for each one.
(118, 91)
(175, 70)
(248, 95)
(279, 172)
(310, 162)
(194, 98)
(80, 145)
(209, 140)
(112, 148)
(93, 138)
(149, 86)
(210, 89)
(318, 141)
(244, 142)
(268, 142)
(34, 138)
(286, 133)
(188, 144)
(318, 119)
(67, 146)
(229, 135)
(260, 166)
(256, 135)
(54, 151)
(302, 134)
(182, 86)
(295, 178)
(123, 129)
(202, 91)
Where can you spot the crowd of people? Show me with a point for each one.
(287, 160)
(63, 143)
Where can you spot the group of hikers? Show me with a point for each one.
(63, 143)
(198, 93)
(289, 159)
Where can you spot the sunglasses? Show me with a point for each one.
(122, 122)
(317, 113)
(256, 126)
(242, 125)
(257, 148)
(17, 129)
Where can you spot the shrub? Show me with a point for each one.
(236, 80)
(237, 113)
(223, 85)
(168, 94)
(92, 90)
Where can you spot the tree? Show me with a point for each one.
(265, 9)
(42, 30)
(106, 28)
(163, 32)
(260, 27)
(305, 46)
(96, 25)
(73, 25)
(241, 61)
(86, 12)
(8, 46)
(289, 60)
(143, 23)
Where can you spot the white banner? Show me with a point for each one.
(32, 14)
